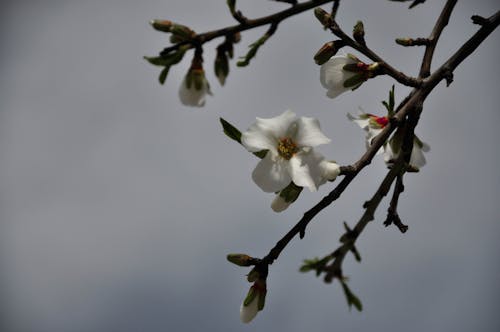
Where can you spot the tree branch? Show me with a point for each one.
(441, 23)
(276, 18)
(413, 101)
(362, 48)
(470, 46)
(392, 212)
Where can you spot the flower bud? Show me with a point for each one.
(221, 65)
(254, 301)
(240, 259)
(253, 275)
(279, 204)
(358, 32)
(322, 16)
(161, 25)
(330, 170)
(404, 41)
(182, 32)
(195, 86)
(327, 51)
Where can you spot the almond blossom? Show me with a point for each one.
(194, 87)
(343, 73)
(254, 301)
(289, 142)
(373, 125)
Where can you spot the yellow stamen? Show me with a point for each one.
(287, 148)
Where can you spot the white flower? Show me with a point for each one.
(417, 158)
(289, 156)
(373, 125)
(333, 75)
(254, 302)
(323, 170)
(194, 87)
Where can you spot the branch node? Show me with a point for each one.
(448, 76)
(476, 19)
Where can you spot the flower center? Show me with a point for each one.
(287, 148)
(380, 121)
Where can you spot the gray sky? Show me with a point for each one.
(118, 204)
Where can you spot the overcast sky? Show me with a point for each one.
(118, 204)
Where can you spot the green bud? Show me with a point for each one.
(322, 16)
(221, 66)
(358, 32)
(327, 51)
(161, 25)
(182, 32)
(240, 259)
(404, 41)
(254, 275)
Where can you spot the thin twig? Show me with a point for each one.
(248, 24)
(387, 68)
(441, 23)
(392, 211)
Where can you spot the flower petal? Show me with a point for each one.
(417, 158)
(265, 133)
(363, 123)
(255, 139)
(278, 125)
(372, 133)
(304, 169)
(309, 133)
(329, 170)
(247, 313)
(332, 75)
(271, 173)
(389, 155)
(191, 96)
(279, 204)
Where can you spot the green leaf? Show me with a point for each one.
(389, 105)
(233, 133)
(354, 81)
(351, 67)
(352, 300)
(231, 130)
(231, 4)
(252, 293)
(291, 192)
(245, 61)
(261, 154)
(163, 75)
(157, 60)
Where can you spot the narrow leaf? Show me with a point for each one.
(351, 298)
(231, 131)
(163, 75)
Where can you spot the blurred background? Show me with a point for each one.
(118, 204)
